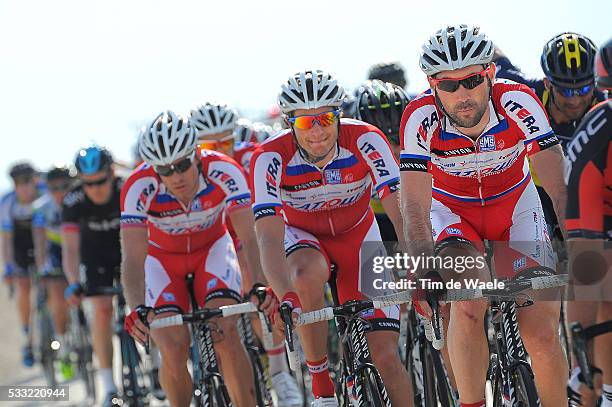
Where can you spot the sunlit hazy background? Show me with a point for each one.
(76, 71)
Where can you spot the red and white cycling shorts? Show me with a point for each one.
(344, 251)
(514, 223)
(216, 275)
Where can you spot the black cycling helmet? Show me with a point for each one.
(603, 66)
(568, 59)
(388, 72)
(22, 169)
(382, 105)
(59, 172)
(92, 159)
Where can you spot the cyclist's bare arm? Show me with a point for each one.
(134, 245)
(549, 165)
(270, 232)
(40, 246)
(391, 206)
(71, 256)
(243, 222)
(7, 248)
(415, 203)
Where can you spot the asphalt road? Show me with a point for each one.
(13, 373)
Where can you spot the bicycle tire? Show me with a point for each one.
(444, 392)
(46, 353)
(137, 391)
(83, 351)
(522, 380)
(219, 396)
(262, 392)
(373, 389)
(430, 395)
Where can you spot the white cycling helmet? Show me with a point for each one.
(455, 47)
(167, 138)
(213, 118)
(244, 131)
(310, 90)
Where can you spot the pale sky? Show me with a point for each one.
(76, 71)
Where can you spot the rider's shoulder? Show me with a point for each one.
(41, 203)
(281, 142)
(74, 197)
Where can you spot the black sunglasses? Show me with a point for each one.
(180, 167)
(469, 82)
(95, 183)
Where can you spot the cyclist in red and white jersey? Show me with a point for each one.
(171, 225)
(218, 130)
(471, 134)
(312, 185)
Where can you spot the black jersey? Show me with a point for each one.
(98, 225)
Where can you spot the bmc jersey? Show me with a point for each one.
(476, 170)
(146, 202)
(97, 224)
(329, 200)
(589, 176)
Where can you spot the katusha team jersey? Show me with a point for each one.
(145, 201)
(478, 170)
(329, 200)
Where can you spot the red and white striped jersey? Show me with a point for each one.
(330, 200)
(483, 169)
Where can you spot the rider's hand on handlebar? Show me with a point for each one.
(423, 297)
(137, 323)
(293, 301)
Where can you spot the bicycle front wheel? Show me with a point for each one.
(525, 392)
(373, 390)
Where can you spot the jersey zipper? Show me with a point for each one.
(324, 184)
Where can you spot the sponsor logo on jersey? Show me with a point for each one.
(376, 158)
(104, 225)
(333, 176)
(523, 115)
(455, 151)
(168, 297)
(425, 127)
(519, 263)
(327, 204)
(271, 175)
(349, 177)
(196, 205)
(486, 143)
(367, 313)
(454, 231)
(413, 164)
(224, 177)
(212, 284)
(144, 195)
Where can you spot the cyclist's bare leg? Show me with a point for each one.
(310, 273)
(445, 311)
(383, 347)
(233, 358)
(57, 304)
(467, 344)
(102, 330)
(584, 312)
(23, 287)
(539, 326)
(173, 343)
(603, 343)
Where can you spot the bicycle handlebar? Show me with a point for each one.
(204, 314)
